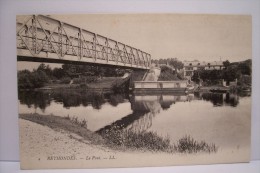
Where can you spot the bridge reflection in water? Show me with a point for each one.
(138, 113)
(149, 120)
(146, 107)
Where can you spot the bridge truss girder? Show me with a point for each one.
(43, 38)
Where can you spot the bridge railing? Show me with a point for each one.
(45, 37)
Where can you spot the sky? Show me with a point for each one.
(182, 36)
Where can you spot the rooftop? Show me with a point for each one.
(203, 63)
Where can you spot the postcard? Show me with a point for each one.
(133, 90)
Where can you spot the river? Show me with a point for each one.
(219, 119)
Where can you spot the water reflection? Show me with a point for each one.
(175, 115)
(219, 99)
(34, 99)
(146, 107)
(150, 103)
(69, 98)
(143, 107)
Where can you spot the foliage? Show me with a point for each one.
(165, 68)
(231, 72)
(65, 80)
(90, 70)
(245, 80)
(169, 69)
(44, 74)
(58, 73)
(174, 62)
(196, 77)
(245, 67)
(128, 139)
(188, 145)
(46, 69)
(29, 80)
(167, 74)
(81, 123)
(226, 63)
(122, 139)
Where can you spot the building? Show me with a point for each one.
(191, 66)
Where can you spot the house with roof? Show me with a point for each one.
(191, 66)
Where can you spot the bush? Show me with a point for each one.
(65, 80)
(188, 145)
(83, 85)
(90, 79)
(245, 80)
(29, 80)
(124, 139)
(85, 79)
(78, 80)
(165, 68)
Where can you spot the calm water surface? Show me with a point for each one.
(222, 119)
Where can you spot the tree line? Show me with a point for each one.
(232, 71)
(79, 73)
(44, 74)
(174, 62)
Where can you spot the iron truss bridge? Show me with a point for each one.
(44, 39)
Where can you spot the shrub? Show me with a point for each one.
(188, 145)
(78, 80)
(65, 80)
(29, 80)
(127, 139)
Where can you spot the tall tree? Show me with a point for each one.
(226, 63)
(176, 64)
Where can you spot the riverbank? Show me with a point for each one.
(113, 138)
(40, 144)
(221, 89)
(119, 139)
(44, 147)
(211, 89)
(106, 83)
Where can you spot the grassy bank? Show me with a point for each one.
(64, 123)
(104, 84)
(122, 139)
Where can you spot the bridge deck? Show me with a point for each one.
(41, 38)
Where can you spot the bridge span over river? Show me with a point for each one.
(44, 39)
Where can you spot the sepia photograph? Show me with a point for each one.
(133, 90)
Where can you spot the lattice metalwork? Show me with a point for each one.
(43, 37)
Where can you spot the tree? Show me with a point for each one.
(29, 80)
(231, 73)
(162, 61)
(175, 63)
(226, 63)
(46, 69)
(196, 76)
(58, 73)
(24, 79)
(39, 78)
(245, 68)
